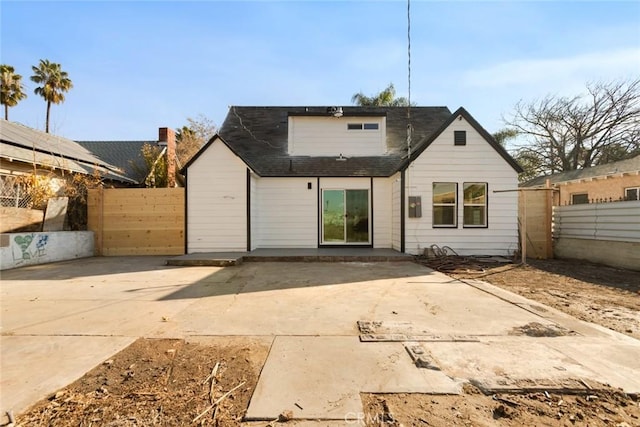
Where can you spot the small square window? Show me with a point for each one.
(459, 137)
(354, 126)
(632, 193)
(371, 126)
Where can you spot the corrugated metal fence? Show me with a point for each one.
(607, 233)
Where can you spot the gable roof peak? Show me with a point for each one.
(459, 114)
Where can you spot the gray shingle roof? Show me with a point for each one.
(629, 165)
(126, 155)
(24, 144)
(258, 135)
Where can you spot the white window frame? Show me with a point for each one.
(632, 188)
(484, 204)
(362, 126)
(454, 204)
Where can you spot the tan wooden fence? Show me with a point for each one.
(534, 215)
(137, 221)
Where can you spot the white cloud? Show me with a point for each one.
(558, 73)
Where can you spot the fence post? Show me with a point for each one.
(548, 219)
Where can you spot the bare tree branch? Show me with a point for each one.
(563, 133)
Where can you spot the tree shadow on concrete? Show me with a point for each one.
(270, 276)
(87, 267)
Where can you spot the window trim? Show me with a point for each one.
(454, 204)
(485, 205)
(459, 138)
(632, 188)
(579, 194)
(363, 126)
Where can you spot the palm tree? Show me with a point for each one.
(54, 81)
(11, 91)
(386, 98)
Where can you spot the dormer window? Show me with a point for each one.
(351, 135)
(362, 126)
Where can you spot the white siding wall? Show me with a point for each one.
(475, 162)
(216, 202)
(382, 217)
(396, 215)
(328, 136)
(287, 213)
(255, 231)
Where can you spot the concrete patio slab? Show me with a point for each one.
(614, 363)
(562, 363)
(225, 259)
(303, 299)
(322, 377)
(33, 367)
(73, 315)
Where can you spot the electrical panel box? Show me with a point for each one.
(415, 207)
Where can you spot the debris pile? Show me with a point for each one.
(447, 260)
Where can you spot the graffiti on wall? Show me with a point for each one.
(27, 247)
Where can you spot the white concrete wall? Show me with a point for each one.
(383, 212)
(476, 161)
(608, 252)
(22, 249)
(329, 136)
(287, 213)
(396, 215)
(216, 202)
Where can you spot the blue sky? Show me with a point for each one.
(137, 66)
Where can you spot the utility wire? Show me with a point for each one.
(409, 127)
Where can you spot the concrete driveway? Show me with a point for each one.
(60, 320)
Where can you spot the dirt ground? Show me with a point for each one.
(159, 382)
(172, 382)
(475, 409)
(604, 295)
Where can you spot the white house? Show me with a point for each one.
(311, 177)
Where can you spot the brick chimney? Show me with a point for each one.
(167, 137)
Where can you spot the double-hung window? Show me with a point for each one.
(475, 204)
(445, 204)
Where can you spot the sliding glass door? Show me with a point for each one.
(345, 216)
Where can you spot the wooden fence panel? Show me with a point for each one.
(534, 215)
(137, 221)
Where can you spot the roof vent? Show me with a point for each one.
(335, 111)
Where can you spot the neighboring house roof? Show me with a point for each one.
(126, 155)
(24, 144)
(259, 136)
(623, 166)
